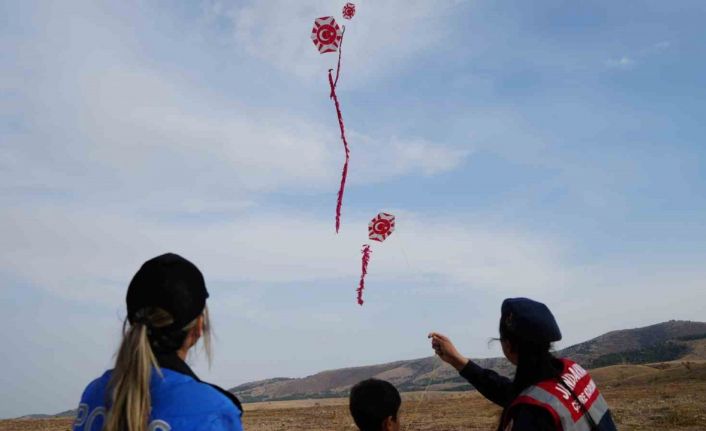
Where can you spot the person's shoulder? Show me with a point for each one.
(568, 363)
(232, 399)
(218, 397)
(204, 396)
(95, 390)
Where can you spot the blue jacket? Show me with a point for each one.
(180, 402)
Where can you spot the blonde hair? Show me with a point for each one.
(129, 385)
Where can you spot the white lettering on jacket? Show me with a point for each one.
(88, 419)
(571, 378)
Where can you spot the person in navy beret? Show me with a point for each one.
(547, 393)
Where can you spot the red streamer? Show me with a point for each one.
(366, 259)
(344, 174)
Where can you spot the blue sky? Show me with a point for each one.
(546, 149)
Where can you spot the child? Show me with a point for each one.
(374, 405)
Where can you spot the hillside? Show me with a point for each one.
(661, 396)
(662, 347)
(656, 343)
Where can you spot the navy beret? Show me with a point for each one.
(171, 283)
(529, 319)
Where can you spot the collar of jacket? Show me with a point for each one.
(172, 361)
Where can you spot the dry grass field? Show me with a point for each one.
(670, 396)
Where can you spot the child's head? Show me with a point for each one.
(374, 405)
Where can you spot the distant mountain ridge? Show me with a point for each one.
(675, 339)
(655, 343)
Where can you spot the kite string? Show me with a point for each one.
(412, 417)
(344, 174)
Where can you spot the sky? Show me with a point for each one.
(548, 149)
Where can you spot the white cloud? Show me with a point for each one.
(375, 159)
(89, 254)
(105, 124)
(662, 46)
(260, 150)
(380, 37)
(627, 62)
(629, 293)
(257, 260)
(623, 63)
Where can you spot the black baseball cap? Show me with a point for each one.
(171, 283)
(529, 319)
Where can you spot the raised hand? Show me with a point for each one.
(446, 350)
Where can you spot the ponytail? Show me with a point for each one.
(129, 388)
(130, 382)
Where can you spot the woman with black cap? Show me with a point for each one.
(151, 388)
(547, 394)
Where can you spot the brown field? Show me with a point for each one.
(669, 396)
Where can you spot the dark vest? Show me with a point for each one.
(573, 401)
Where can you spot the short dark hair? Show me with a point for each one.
(372, 401)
